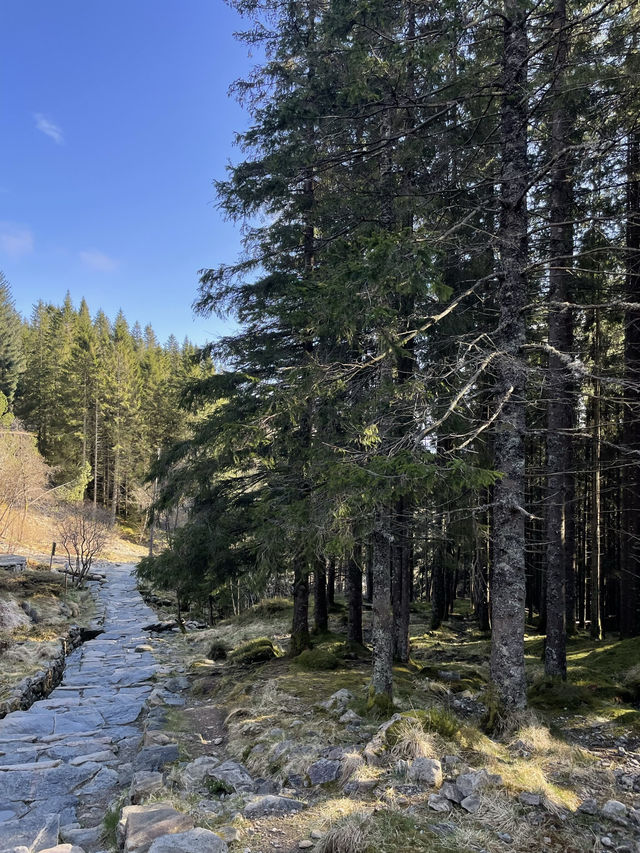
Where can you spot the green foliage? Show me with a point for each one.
(11, 352)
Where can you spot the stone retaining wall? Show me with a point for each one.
(39, 685)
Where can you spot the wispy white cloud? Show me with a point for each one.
(15, 240)
(46, 126)
(96, 260)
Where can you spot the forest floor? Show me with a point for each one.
(564, 777)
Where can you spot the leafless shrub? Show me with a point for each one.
(84, 531)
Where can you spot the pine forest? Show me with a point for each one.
(421, 429)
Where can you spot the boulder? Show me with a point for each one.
(451, 792)
(614, 809)
(323, 771)
(233, 775)
(272, 804)
(439, 803)
(469, 783)
(155, 757)
(471, 803)
(193, 841)
(427, 771)
(139, 826)
(338, 701)
(196, 771)
(144, 782)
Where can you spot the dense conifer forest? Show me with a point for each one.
(434, 391)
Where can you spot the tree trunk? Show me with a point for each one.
(331, 583)
(300, 639)
(382, 629)
(320, 609)
(559, 404)
(354, 601)
(596, 554)
(508, 567)
(630, 576)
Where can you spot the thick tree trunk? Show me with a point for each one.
(596, 553)
(630, 576)
(508, 569)
(300, 639)
(382, 629)
(354, 601)
(320, 609)
(559, 405)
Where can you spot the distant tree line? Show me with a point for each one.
(100, 397)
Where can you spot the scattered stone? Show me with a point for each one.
(139, 826)
(82, 837)
(439, 803)
(155, 757)
(61, 848)
(469, 783)
(305, 845)
(272, 804)
(528, 798)
(192, 841)
(606, 841)
(316, 834)
(228, 833)
(324, 771)
(217, 741)
(144, 783)
(451, 792)
(233, 774)
(589, 806)
(338, 701)
(471, 803)
(614, 809)
(428, 771)
(505, 837)
(350, 717)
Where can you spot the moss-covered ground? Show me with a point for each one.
(566, 748)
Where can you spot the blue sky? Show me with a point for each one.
(114, 120)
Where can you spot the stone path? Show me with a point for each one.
(66, 757)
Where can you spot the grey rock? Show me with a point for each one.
(451, 792)
(272, 805)
(323, 771)
(614, 809)
(139, 826)
(471, 803)
(589, 806)
(439, 803)
(83, 837)
(193, 841)
(155, 757)
(105, 780)
(195, 772)
(34, 832)
(469, 783)
(427, 771)
(144, 782)
(528, 798)
(233, 774)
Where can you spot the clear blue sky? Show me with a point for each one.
(114, 120)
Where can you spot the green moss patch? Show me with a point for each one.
(260, 650)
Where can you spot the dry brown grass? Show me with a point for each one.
(351, 835)
(412, 741)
